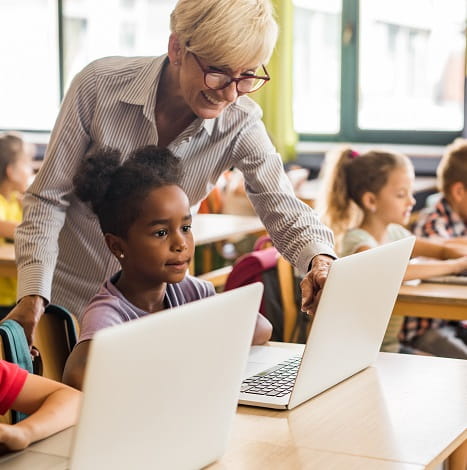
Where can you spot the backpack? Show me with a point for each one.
(260, 265)
(16, 350)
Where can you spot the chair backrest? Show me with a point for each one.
(281, 291)
(56, 335)
(296, 323)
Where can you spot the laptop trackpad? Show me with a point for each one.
(263, 357)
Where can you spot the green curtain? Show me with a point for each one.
(275, 98)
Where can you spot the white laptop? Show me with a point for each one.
(346, 335)
(160, 392)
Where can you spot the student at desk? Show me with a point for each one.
(51, 406)
(368, 200)
(447, 219)
(15, 176)
(145, 217)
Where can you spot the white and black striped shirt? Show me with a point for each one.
(60, 250)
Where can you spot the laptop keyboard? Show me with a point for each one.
(277, 381)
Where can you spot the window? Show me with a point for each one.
(112, 27)
(36, 71)
(29, 82)
(379, 70)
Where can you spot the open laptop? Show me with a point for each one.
(146, 399)
(160, 392)
(346, 335)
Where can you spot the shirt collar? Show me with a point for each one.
(142, 92)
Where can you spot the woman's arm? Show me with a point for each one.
(52, 406)
(76, 364)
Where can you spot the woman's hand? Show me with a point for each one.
(27, 313)
(313, 283)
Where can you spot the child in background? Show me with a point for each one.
(447, 219)
(15, 176)
(51, 406)
(146, 221)
(368, 200)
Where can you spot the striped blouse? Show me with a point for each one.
(60, 250)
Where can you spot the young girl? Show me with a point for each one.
(146, 221)
(15, 176)
(51, 406)
(368, 200)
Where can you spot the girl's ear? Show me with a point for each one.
(174, 50)
(457, 191)
(369, 201)
(10, 172)
(115, 245)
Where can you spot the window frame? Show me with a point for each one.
(349, 131)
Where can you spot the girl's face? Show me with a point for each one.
(159, 245)
(203, 101)
(395, 201)
(20, 172)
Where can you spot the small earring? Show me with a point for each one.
(121, 256)
(176, 62)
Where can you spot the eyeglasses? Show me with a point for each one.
(221, 80)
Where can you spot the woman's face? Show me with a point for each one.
(203, 101)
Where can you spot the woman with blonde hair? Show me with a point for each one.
(192, 100)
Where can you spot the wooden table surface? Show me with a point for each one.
(210, 228)
(447, 301)
(7, 260)
(404, 413)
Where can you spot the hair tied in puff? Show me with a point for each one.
(353, 154)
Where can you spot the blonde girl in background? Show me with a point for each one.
(367, 202)
(15, 176)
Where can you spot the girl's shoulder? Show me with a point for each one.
(397, 232)
(355, 238)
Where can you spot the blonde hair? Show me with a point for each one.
(233, 33)
(453, 166)
(347, 176)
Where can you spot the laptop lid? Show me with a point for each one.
(348, 327)
(161, 392)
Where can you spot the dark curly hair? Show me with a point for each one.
(115, 190)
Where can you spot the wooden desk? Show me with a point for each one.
(406, 412)
(7, 260)
(210, 228)
(447, 301)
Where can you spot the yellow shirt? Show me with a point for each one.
(11, 211)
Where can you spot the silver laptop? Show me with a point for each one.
(161, 392)
(346, 335)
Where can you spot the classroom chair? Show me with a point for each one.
(56, 335)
